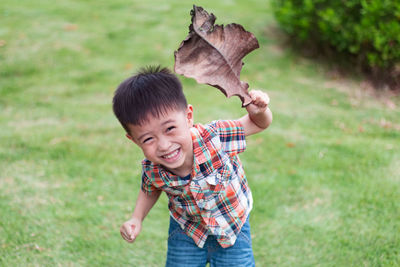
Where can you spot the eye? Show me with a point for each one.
(170, 128)
(147, 140)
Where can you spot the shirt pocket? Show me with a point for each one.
(217, 181)
(173, 190)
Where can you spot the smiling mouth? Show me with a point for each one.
(172, 154)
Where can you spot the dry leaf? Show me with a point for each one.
(212, 54)
(128, 66)
(290, 144)
(70, 27)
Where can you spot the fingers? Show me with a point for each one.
(126, 235)
(260, 99)
(128, 239)
(127, 232)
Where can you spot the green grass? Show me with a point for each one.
(325, 176)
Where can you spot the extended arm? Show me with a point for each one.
(259, 115)
(131, 228)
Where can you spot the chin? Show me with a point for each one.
(173, 166)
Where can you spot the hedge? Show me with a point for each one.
(369, 29)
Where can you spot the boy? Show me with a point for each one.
(197, 166)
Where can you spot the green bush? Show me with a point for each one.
(369, 29)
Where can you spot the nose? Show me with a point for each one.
(163, 143)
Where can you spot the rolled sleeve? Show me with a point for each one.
(231, 134)
(147, 186)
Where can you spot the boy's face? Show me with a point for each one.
(167, 140)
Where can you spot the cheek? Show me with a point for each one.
(186, 140)
(148, 151)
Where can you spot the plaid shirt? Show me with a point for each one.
(217, 199)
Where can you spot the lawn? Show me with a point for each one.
(325, 176)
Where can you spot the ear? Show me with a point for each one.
(130, 138)
(189, 115)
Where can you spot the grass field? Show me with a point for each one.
(325, 176)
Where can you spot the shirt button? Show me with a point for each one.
(200, 204)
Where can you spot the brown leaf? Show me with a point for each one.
(212, 54)
(290, 145)
(70, 27)
(128, 66)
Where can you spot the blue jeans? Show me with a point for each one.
(183, 252)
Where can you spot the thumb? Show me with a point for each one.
(133, 231)
(136, 230)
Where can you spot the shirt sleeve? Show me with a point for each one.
(147, 186)
(231, 135)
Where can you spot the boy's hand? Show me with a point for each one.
(259, 116)
(259, 104)
(131, 229)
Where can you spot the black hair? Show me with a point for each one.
(152, 90)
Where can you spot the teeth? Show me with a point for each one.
(173, 154)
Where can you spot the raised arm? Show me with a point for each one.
(131, 228)
(259, 115)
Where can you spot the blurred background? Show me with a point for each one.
(325, 176)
